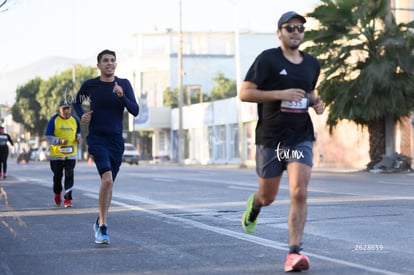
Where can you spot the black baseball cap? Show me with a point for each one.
(64, 104)
(289, 15)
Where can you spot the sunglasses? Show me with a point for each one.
(292, 28)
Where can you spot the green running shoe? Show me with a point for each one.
(249, 226)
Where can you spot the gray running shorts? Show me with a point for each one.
(271, 162)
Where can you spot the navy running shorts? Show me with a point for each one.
(107, 152)
(271, 162)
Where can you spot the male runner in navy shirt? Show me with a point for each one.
(108, 96)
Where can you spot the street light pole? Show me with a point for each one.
(389, 121)
(242, 145)
(181, 142)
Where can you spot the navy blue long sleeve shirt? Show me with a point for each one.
(107, 107)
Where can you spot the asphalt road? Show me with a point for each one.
(186, 220)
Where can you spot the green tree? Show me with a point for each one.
(367, 65)
(170, 97)
(199, 97)
(26, 110)
(38, 99)
(225, 87)
(62, 87)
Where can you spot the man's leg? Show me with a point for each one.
(57, 168)
(69, 177)
(98, 148)
(265, 195)
(268, 189)
(105, 196)
(69, 165)
(299, 176)
(269, 171)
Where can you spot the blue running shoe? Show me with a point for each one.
(101, 233)
(101, 236)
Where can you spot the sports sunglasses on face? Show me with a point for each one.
(291, 28)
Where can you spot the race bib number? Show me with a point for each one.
(294, 106)
(66, 149)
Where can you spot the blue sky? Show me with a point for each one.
(33, 29)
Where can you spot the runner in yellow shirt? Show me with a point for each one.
(63, 135)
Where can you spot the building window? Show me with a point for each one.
(195, 94)
(220, 144)
(234, 142)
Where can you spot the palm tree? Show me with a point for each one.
(367, 62)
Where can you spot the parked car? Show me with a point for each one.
(131, 154)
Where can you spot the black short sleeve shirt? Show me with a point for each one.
(283, 122)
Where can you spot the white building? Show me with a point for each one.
(212, 129)
(212, 132)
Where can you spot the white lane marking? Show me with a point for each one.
(242, 188)
(243, 236)
(250, 238)
(396, 183)
(246, 237)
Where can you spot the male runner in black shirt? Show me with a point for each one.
(282, 81)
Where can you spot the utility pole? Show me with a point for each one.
(389, 121)
(181, 141)
(242, 141)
